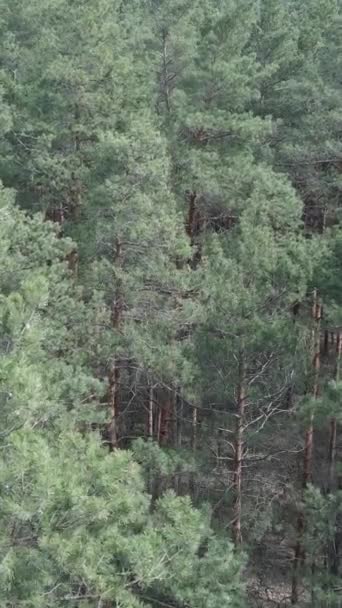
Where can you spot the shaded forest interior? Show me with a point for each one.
(170, 303)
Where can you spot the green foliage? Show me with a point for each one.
(44, 366)
(189, 154)
(76, 524)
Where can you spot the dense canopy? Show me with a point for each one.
(170, 303)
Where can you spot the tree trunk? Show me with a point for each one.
(334, 544)
(238, 456)
(194, 429)
(192, 228)
(113, 398)
(159, 423)
(73, 260)
(115, 373)
(316, 347)
(150, 432)
(150, 413)
(193, 472)
(333, 421)
(299, 554)
(76, 188)
(166, 76)
(180, 417)
(174, 419)
(165, 423)
(332, 454)
(326, 342)
(298, 558)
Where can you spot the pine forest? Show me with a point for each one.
(170, 303)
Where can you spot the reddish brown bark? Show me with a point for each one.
(150, 413)
(150, 432)
(238, 456)
(159, 424)
(113, 402)
(316, 338)
(77, 138)
(333, 548)
(308, 444)
(114, 376)
(333, 421)
(166, 420)
(298, 559)
(299, 554)
(55, 214)
(326, 342)
(332, 453)
(194, 429)
(190, 224)
(166, 78)
(193, 226)
(179, 412)
(72, 259)
(338, 356)
(75, 197)
(308, 450)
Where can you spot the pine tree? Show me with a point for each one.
(46, 369)
(76, 526)
(297, 46)
(95, 162)
(248, 329)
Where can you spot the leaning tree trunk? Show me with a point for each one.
(299, 555)
(238, 456)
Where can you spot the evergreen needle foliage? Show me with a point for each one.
(170, 303)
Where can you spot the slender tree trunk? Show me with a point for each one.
(190, 225)
(150, 413)
(175, 436)
(113, 397)
(326, 342)
(338, 356)
(150, 432)
(166, 76)
(192, 228)
(332, 454)
(75, 191)
(159, 424)
(333, 545)
(333, 421)
(238, 457)
(298, 558)
(299, 554)
(77, 117)
(192, 474)
(180, 417)
(323, 220)
(308, 450)
(115, 372)
(308, 446)
(194, 429)
(174, 419)
(166, 418)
